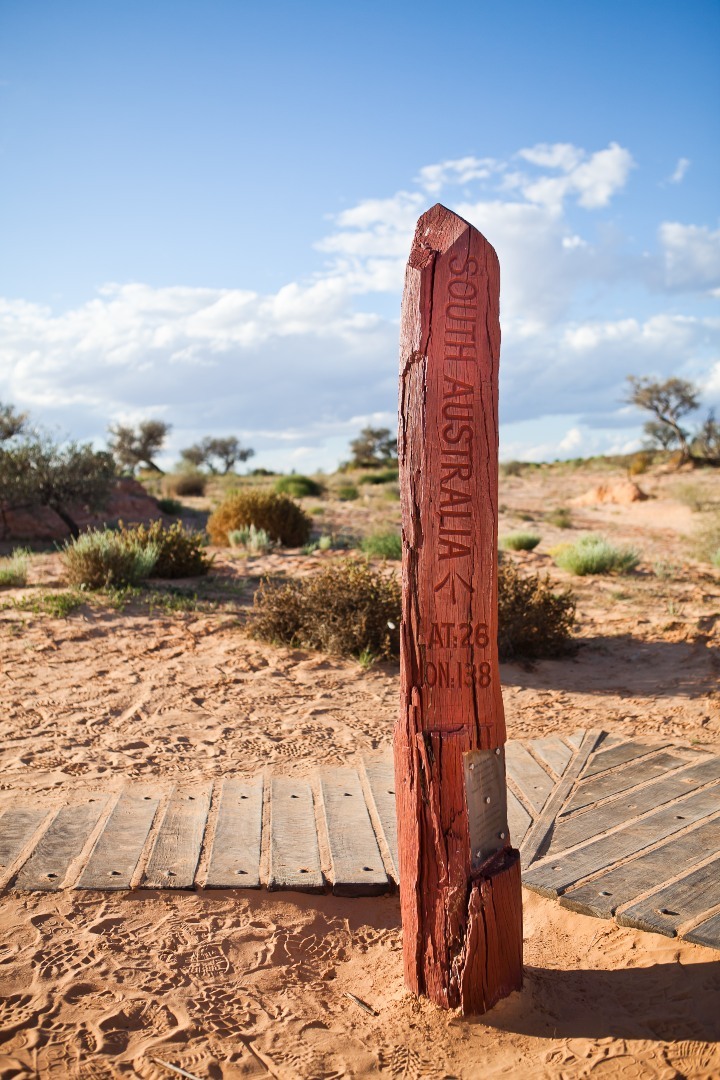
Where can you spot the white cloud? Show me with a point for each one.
(303, 368)
(680, 169)
(691, 256)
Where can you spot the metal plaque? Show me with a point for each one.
(486, 799)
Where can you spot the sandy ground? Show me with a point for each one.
(253, 984)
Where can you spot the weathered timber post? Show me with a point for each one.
(459, 876)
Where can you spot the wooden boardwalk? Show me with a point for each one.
(611, 827)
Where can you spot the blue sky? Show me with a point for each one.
(205, 210)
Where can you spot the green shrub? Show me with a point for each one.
(520, 541)
(533, 620)
(255, 541)
(561, 518)
(346, 608)
(384, 545)
(282, 519)
(14, 568)
(347, 493)
(179, 553)
(595, 555)
(185, 484)
(298, 486)
(384, 476)
(512, 468)
(103, 558)
(170, 506)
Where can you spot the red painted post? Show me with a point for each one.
(459, 876)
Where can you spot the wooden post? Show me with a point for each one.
(459, 876)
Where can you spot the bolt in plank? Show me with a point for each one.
(380, 773)
(235, 854)
(120, 845)
(666, 910)
(356, 864)
(706, 933)
(620, 754)
(554, 874)
(294, 853)
(530, 777)
(60, 845)
(176, 852)
(553, 751)
(18, 825)
(605, 894)
(518, 818)
(617, 781)
(626, 807)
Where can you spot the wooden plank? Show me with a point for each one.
(518, 819)
(120, 845)
(294, 853)
(666, 910)
(380, 773)
(602, 896)
(617, 781)
(553, 751)
(60, 845)
(176, 851)
(581, 827)
(554, 874)
(235, 854)
(356, 864)
(18, 825)
(575, 739)
(620, 754)
(531, 778)
(537, 835)
(706, 933)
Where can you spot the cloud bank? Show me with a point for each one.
(297, 372)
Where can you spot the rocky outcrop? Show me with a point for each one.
(128, 501)
(622, 492)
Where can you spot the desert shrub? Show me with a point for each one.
(298, 486)
(185, 484)
(384, 545)
(690, 495)
(255, 541)
(533, 619)
(561, 518)
(180, 553)
(640, 463)
(512, 468)
(595, 555)
(102, 558)
(14, 568)
(384, 476)
(520, 541)
(283, 520)
(170, 506)
(345, 608)
(347, 493)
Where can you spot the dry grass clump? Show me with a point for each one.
(179, 553)
(185, 484)
(14, 568)
(101, 558)
(595, 555)
(347, 609)
(520, 541)
(560, 517)
(282, 519)
(533, 619)
(707, 540)
(254, 541)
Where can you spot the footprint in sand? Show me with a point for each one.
(404, 1063)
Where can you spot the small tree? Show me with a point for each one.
(228, 451)
(373, 448)
(138, 446)
(706, 443)
(36, 471)
(11, 423)
(668, 401)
